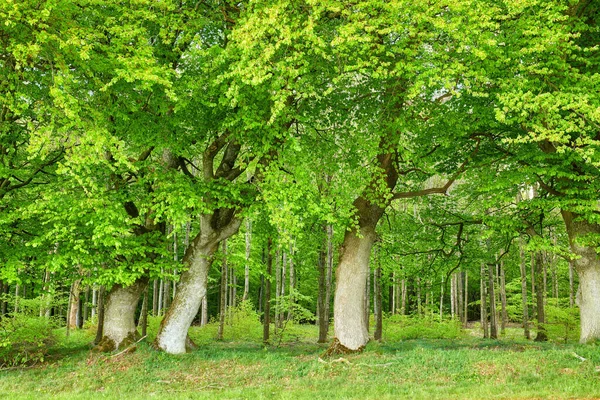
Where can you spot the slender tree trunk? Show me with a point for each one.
(119, 328)
(394, 290)
(540, 312)
(292, 283)
(100, 307)
(404, 297)
(587, 266)
(172, 334)
(94, 302)
(453, 295)
(223, 293)
(504, 313)
(442, 299)
(323, 325)
(204, 310)
(283, 279)
(367, 307)
(247, 266)
(378, 299)
(523, 267)
(329, 277)
(419, 308)
(155, 288)
(277, 287)
(143, 324)
(484, 317)
(74, 303)
(460, 296)
(493, 321)
(267, 300)
(161, 291)
(571, 285)
(466, 301)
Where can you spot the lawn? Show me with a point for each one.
(463, 367)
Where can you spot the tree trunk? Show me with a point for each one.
(283, 279)
(540, 312)
(466, 301)
(378, 299)
(504, 318)
(459, 296)
(453, 295)
(267, 299)
(483, 292)
(523, 267)
(323, 325)
(100, 307)
(571, 285)
(143, 324)
(119, 316)
(329, 276)
(588, 270)
(247, 266)
(419, 308)
(349, 317)
(367, 307)
(155, 288)
(223, 293)
(277, 287)
(493, 322)
(292, 283)
(172, 334)
(204, 311)
(74, 303)
(442, 299)
(404, 297)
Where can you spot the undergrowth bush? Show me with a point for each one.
(24, 339)
(403, 327)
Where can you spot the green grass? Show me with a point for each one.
(464, 367)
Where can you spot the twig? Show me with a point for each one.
(345, 361)
(129, 347)
(579, 357)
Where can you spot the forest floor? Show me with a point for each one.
(466, 367)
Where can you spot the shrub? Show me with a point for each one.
(24, 340)
(402, 327)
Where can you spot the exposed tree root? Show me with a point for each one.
(337, 348)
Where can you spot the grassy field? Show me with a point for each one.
(241, 368)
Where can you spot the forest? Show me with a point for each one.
(200, 177)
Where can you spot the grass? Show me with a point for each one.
(464, 367)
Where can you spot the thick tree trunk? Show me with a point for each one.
(120, 308)
(172, 334)
(349, 317)
(539, 284)
(588, 270)
(523, 268)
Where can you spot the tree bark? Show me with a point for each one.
(100, 307)
(172, 334)
(466, 301)
(267, 297)
(571, 285)
(120, 307)
(493, 322)
(504, 314)
(247, 266)
(523, 268)
(323, 325)
(143, 324)
(223, 293)
(483, 292)
(378, 299)
(404, 297)
(588, 270)
(539, 284)
(74, 303)
(292, 285)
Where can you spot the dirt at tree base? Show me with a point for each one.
(337, 348)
